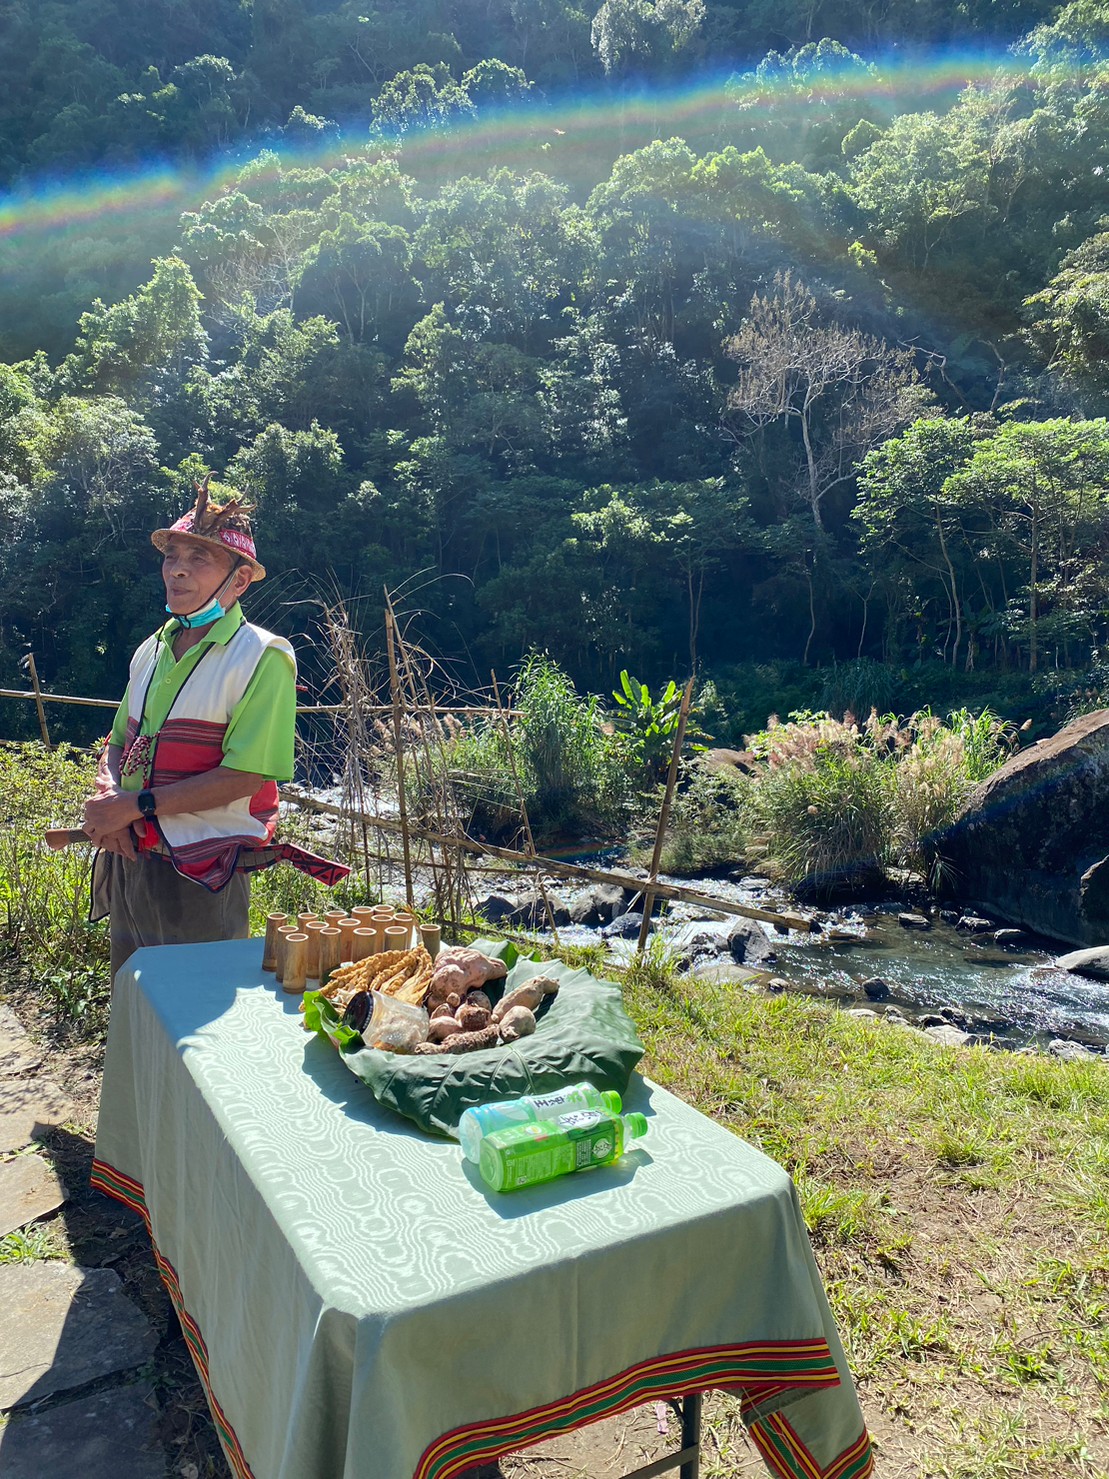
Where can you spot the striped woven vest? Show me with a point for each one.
(204, 846)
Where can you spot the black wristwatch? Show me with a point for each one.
(147, 803)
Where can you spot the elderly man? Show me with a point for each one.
(186, 794)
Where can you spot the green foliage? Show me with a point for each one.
(709, 827)
(44, 895)
(553, 755)
(838, 802)
(650, 724)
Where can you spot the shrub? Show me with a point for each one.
(44, 895)
(823, 799)
(709, 824)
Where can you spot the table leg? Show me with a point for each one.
(688, 1461)
(691, 1435)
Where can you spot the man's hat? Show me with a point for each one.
(224, 525)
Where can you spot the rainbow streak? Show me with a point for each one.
(570, 128)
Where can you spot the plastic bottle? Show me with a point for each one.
(526, 1155)
(484, 1119)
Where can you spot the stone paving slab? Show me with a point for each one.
(111, 1435)
(28, 1108)
(18, 1053)
(28, 1189)
(61, 1327)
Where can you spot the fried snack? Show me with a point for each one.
(366, 974)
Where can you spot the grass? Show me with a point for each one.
(958, 1203)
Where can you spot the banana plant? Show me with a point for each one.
(649, 723)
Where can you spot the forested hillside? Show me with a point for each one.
(665, 334)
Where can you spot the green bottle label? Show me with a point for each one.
(530, 1154)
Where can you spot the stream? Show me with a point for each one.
(1014, 996)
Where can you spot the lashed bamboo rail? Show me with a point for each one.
(379, 709)
(551, 865)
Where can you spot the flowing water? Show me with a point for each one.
(1015, 996)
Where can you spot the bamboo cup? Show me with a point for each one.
(382, 911)
(348, 927)
(312, 967)
(269, 949)
(364, 912)
(330, 942)
(362, 943)
(295, 978)
(305, 919)
(396, 937)
(333, 917)
(432, 937)
(283, 933)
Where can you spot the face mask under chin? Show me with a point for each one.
(207, 614)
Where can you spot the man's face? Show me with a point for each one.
(193, 572)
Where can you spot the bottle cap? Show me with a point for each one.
(636, 1125)
(611, 1100)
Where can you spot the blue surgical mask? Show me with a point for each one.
(207, 614)
(212, 612)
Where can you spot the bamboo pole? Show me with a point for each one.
(782, 920)
(38, 700)
(398, 741)
(664, 817)
(112, 703)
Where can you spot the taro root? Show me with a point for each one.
(517, 1022)
(440, 1028)
(529, 995)
(462, 1042)
(444, 1009)
(476, 998)
(457, 968)
(472, 1017)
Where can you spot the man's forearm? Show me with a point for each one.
(206, 792)
(196, 793)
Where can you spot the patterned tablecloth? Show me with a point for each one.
(360, 1307)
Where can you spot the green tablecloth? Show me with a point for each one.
(360, 1307)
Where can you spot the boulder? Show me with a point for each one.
(748, 943)
(599, 904)
(531, 912)
(876, 989)
(496, 907)
(625, 928)
(1093, 962)
(1031, 842)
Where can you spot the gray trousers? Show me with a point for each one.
(151, 904)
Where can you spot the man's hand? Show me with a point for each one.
(121, 842)
(109, 814)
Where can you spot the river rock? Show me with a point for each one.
(914, 922)
(974, 924)
(1031, 842)
(625, 928)
(1071, 1052)
(698, 948)
(1011, 939)
(531, 912)
(876, 989)
(950, 1037)
(749, 943)
(601, 903)
(1093, 962)
(496, 907)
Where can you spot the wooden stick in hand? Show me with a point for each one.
(59, 837)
